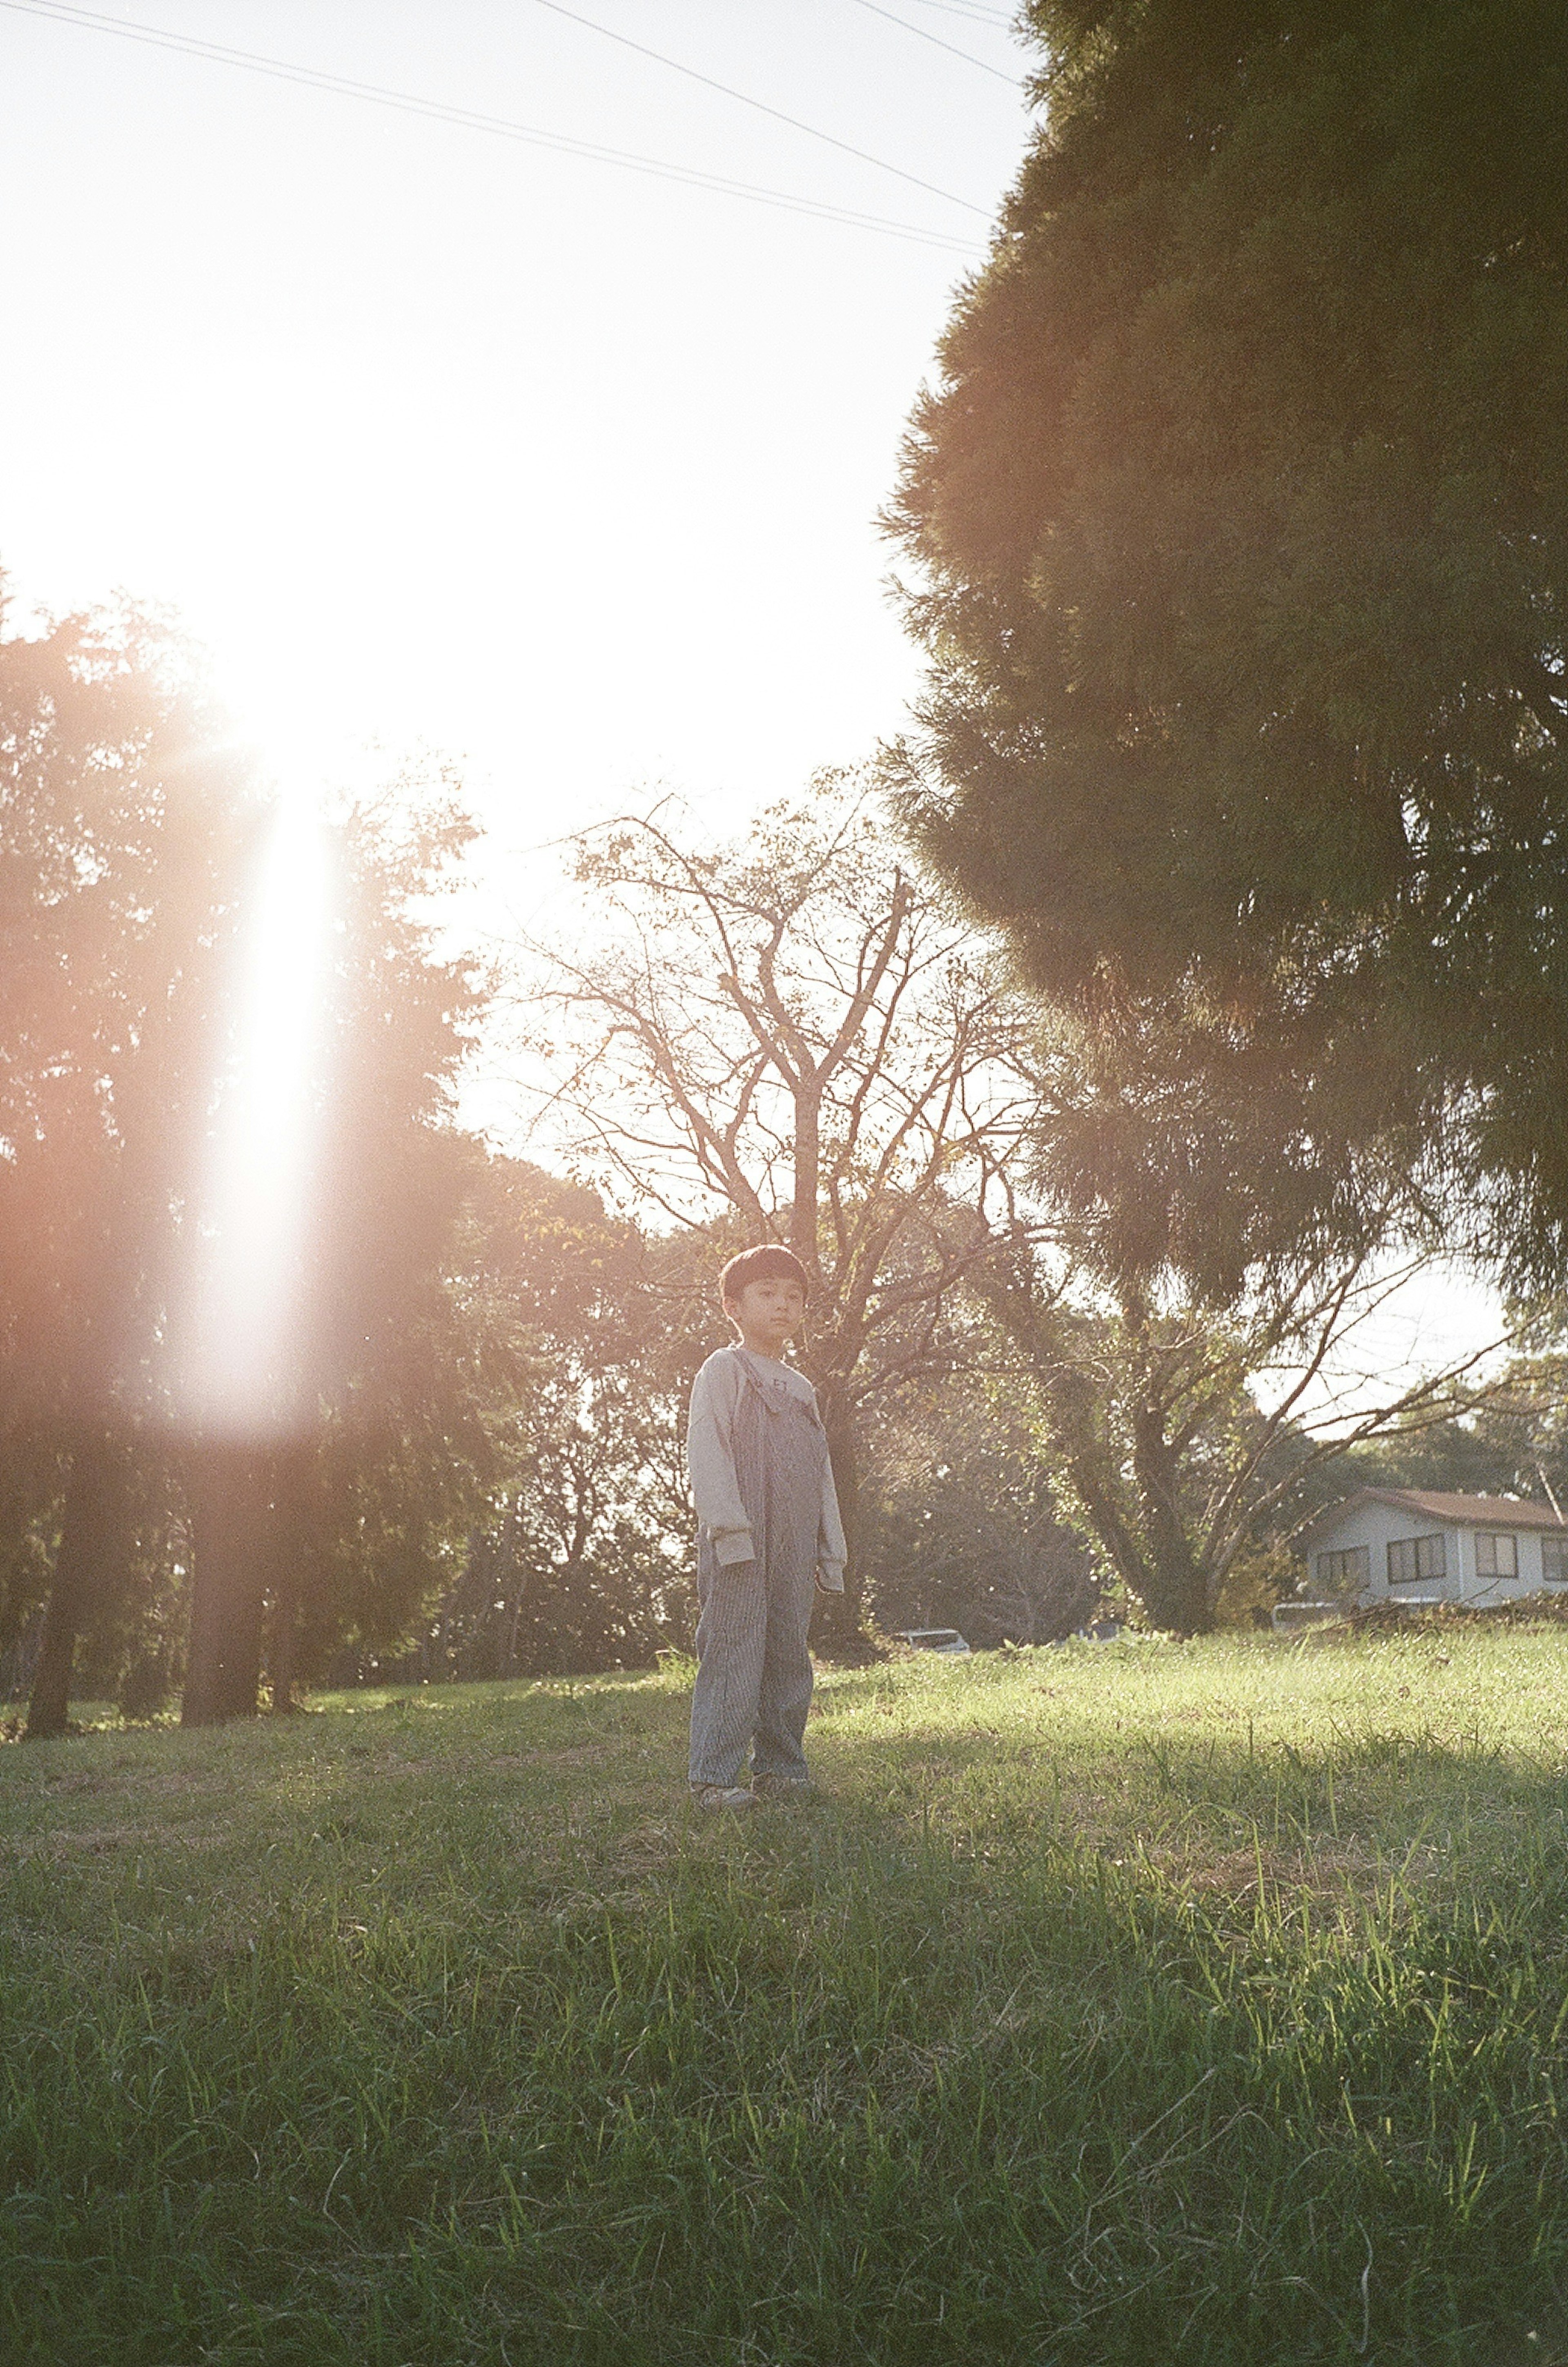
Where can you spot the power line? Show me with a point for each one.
(974, 11)
(466, 119)
(920, 34)
(761, 105)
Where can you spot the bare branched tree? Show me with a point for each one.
(795, 1033)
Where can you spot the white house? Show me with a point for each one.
(1418, 1545)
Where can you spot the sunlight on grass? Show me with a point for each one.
(1120, 2003)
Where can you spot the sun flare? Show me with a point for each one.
(244, 1370)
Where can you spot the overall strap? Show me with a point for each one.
(777, 1395)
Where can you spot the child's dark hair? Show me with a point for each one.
(771, 1262)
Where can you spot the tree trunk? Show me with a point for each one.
(284, 1629)
(804, 1214)
(1175, 1594)
(91, 1535)
(285, 1543)
(228, 1524)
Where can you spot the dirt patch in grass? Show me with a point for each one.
(577, 1754)
(99, 1840)
(1326, 1873)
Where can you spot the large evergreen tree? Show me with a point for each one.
(1241, 517)
(121, 804)
(130, 829)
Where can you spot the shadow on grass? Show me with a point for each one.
(472, 2042)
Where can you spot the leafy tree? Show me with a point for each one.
(581, 1557)
(1240, 522)
(1185, 1445)
(31, 1474)
(1511, 1440)
(1515, 1441)
(966, 1530)
(1464, 1456)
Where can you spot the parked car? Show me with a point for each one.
(933, 1640)
(1289, 1614)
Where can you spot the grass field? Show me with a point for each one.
(1109, 2004)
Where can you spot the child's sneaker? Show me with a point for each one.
(781, 1788)
(722, 1796)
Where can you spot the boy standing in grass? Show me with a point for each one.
(769, 1535)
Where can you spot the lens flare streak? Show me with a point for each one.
(243, 1371)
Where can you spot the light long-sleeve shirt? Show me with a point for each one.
(710, 1463)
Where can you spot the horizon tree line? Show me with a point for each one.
(795, 1035)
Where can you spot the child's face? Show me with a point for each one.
(769, 1313)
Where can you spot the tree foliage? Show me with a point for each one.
(1511, 1441)
(1240, 518)
(581, 1556)
(966, 1527)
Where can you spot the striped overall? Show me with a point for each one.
(753, 1685)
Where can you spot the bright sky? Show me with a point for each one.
(432, 435)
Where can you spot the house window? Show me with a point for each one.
(1340, 1573)
(1496, 1555)
(1413, 1561)
(1554, 1560)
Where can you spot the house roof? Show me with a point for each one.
(1450, 1511)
